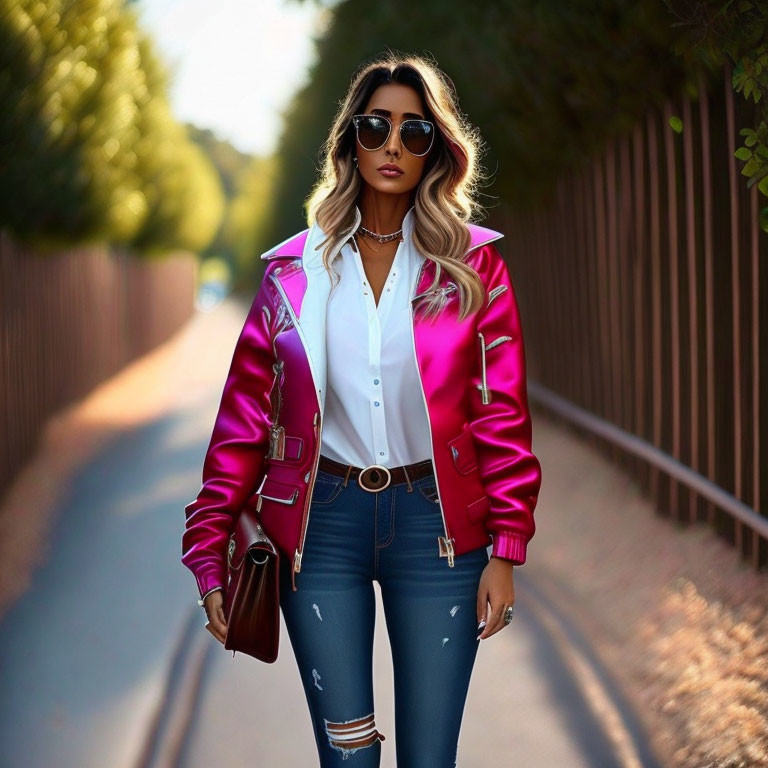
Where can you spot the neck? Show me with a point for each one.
(383, 214)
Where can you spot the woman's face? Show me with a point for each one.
(397, 102)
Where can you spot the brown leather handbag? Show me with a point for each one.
(252, 597)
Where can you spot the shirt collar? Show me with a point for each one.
(311, 258)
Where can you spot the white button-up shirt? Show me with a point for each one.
(374, 410)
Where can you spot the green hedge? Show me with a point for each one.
(89, 149)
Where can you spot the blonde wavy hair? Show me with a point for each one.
(444, 199)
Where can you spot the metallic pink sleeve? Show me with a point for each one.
(233, 462)
(511, 473)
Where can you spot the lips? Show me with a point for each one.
(389, 170)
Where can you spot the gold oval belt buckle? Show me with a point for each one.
(374, 478)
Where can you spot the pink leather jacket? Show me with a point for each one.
(265, 446)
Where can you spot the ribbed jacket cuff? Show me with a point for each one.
(510, 546)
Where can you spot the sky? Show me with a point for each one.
(234, 64)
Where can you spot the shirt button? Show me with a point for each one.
(376, 402)
(375, 381)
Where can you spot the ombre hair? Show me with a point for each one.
(444, 199)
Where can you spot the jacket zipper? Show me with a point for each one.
(307, 502)
(445, 542)
(318, 428)
(485, 394)
(277, 431)
(483, 386)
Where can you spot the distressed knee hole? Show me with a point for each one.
(350, 735)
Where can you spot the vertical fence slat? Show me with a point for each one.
(733, 183)
(755, 421)
(691, 247)
(655, 303)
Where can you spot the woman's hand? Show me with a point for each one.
(214, 608)
(497, 588)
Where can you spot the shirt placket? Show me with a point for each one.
(376, 317)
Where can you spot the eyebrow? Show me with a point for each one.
(388, 113)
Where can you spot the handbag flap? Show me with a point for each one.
(248, 533)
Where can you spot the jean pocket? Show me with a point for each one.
(429, 491)
(327, 488)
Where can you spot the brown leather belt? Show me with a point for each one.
(377, 477)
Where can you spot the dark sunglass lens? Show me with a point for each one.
(417, 136)
(372, 131)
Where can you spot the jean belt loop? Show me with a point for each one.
(407, 479)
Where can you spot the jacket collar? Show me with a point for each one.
(295, 244)
(305, 285)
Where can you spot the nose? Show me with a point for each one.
(394, 146)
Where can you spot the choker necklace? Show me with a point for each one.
(381, 238)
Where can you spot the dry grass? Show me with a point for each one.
(710, 663)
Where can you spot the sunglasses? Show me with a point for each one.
(374, 130)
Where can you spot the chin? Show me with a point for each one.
(390, 185)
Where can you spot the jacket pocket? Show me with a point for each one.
(284, 447)
(293, 447)
(275, 491)
(477, 510)
(462, 449)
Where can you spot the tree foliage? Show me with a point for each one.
(548, 82)
(89, 150)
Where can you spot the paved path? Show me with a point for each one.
(522, 703)
(105, 662)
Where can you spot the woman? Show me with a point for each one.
(376, 415)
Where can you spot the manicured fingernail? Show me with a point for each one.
(481, 624)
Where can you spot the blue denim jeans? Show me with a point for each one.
(353, 537)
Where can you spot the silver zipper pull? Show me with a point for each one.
(276, 442)
(296, 568)
(446, 549)
(497, 341)
(497, 291)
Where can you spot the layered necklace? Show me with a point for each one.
(381, 238)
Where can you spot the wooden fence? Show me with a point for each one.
(71, 319)
(640, 288)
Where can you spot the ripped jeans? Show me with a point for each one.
(353, 537)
